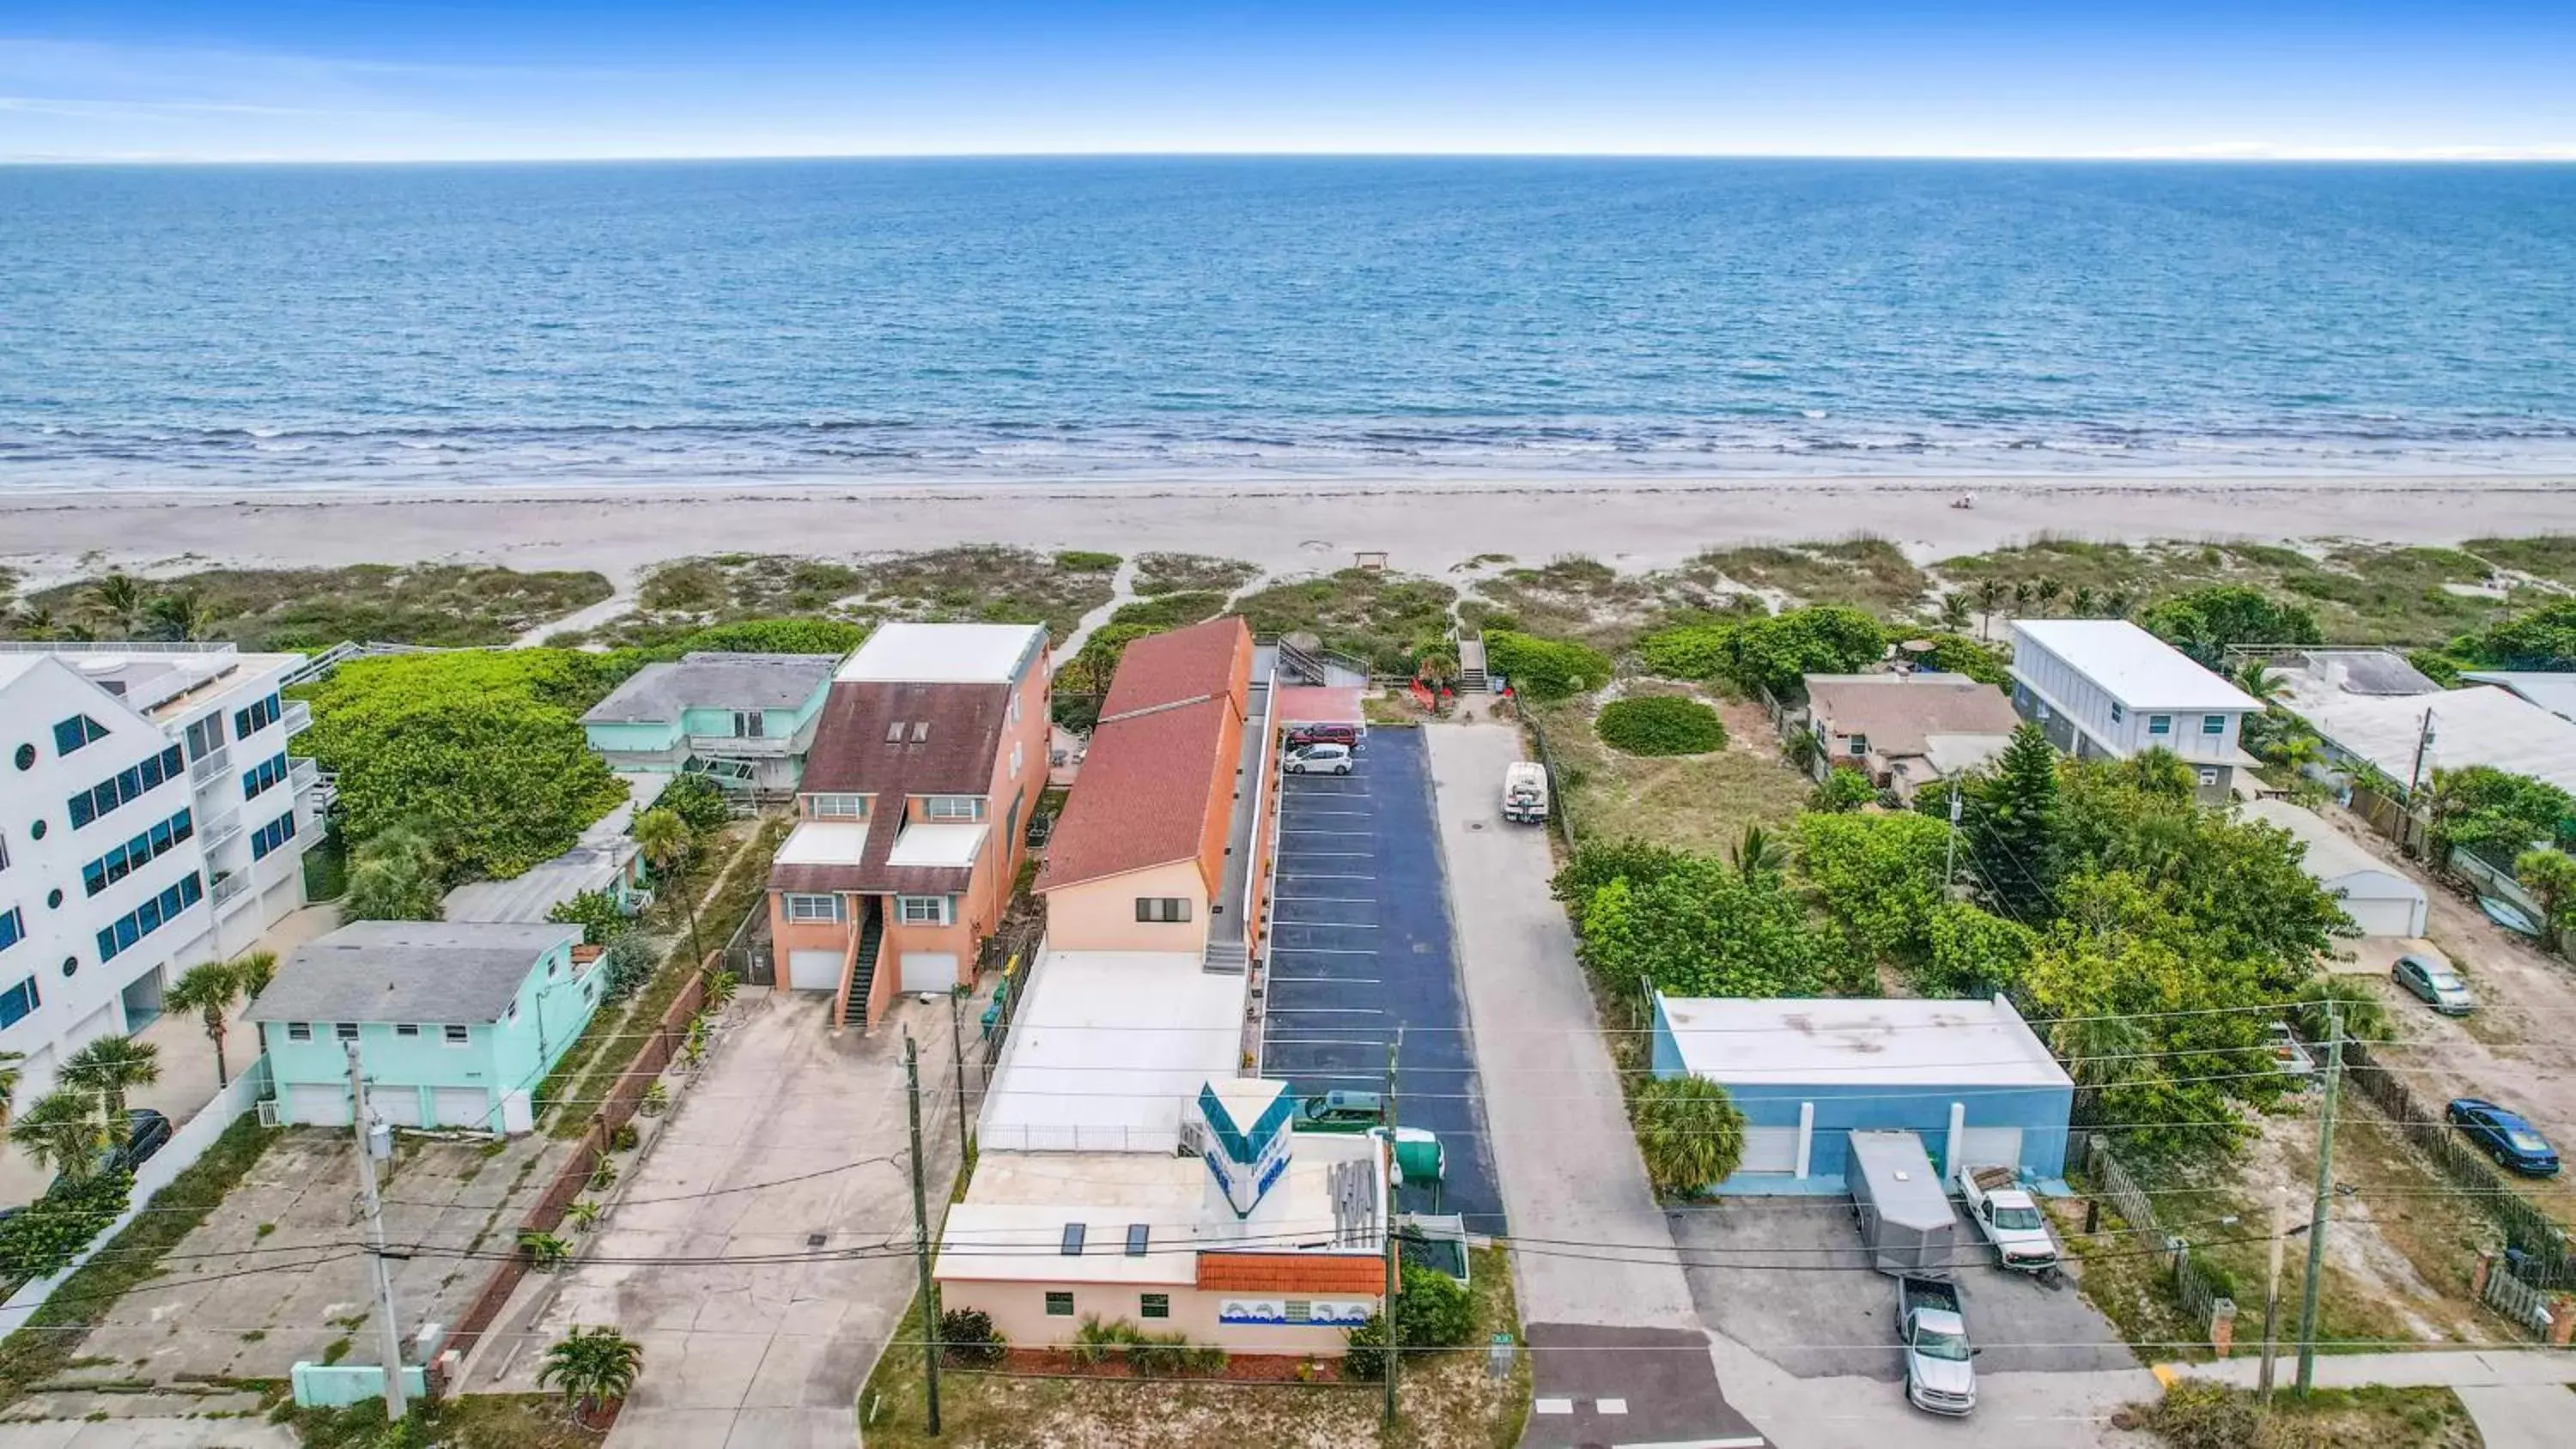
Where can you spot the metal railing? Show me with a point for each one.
(229, 888)
(297, 718)
(750, 747)
(212, 764)
(131, 646)
(221, 833)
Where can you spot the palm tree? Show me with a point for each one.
(2022, 594)
(2261, 681)
(9, 1086)
(1436, 665)
(1954, 612)
(1688, 1131)
(2357, 1003)
(1990, 597)
(2048, 591)
(211, 989)
(393, 876)
(2086, 600)
(2101, 1052)
(116, 600)
(664, 839)
(2117, 603)
(180, 615)
(62, 1131)
(1756, 854)
(109, 1067)
(590, 1367)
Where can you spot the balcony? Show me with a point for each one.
(321, 786)
(220, 834)
(212, 766)
(740, 747)
(298, 717)
(230, 891)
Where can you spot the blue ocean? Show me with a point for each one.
(998, 319)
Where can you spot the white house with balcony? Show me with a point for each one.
(150, 819)
(2105, 688)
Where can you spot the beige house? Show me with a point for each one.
(1905, 731)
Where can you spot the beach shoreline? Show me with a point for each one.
(1423, 524)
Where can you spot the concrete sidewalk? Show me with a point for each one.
(2452, 1367)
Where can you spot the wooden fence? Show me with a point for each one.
(1560, 807)
(2549, 1263)
(2203, 1298)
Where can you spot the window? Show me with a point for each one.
(1137, 1236)
(26, 757)
(2159, 724)
(2213, 724)
(206, 736)
(299, 1031)
(456, 1035)
(2119, 712)
(1015, 706)
(153, 914)
(749, 724)
(248, 722)
(1167, 909)
(1859, 746)
(952, 807)
(134, 854)
(4, 852)
(1059, 1305)
(269, 773)
(126, 786)
(13, 928)
(79, 730)
(345, 1031)
(1018, 748)
(1300, 1310)
(836, 807)
(1153, 1305)
(273, 835)
(922, 910)
(811, 908)
(1073, 1233)
(406, 1028)
(19, 1002)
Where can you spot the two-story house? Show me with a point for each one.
(745, 721)
(2107, 688)
(150, 819)
(455, 1023)
(928, 760)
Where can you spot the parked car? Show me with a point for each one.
(146, 1132)
(2513, 1142)
(2291, 1054)
(2440, 986)
(1326, 734)
(2009, 1217)
(1939, 1378)
(1318, 760)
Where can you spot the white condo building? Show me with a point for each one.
(149, 820)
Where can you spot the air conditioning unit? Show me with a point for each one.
(268, 1112)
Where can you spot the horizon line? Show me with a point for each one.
(2231, 154)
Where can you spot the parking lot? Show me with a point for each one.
(1788, 1278)
(1360, 945)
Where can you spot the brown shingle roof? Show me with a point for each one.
(1339, 1274)
(951, 733)
(1895, 712)
(1150, 776)
(1180, 664)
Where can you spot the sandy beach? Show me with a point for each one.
(1423, 526)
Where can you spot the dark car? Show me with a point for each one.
(2439, 986)
(146, 1132)
(2507, 1138)
(1323, 734)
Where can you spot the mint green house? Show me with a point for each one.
(743, 720)
(455, 1023)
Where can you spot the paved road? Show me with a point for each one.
(1570, 1172)
(2518, 1397)
(765, 1355)
(1360, 945)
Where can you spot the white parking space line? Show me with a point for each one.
(1551, 1406)
(1315, 875)
(1276, 949)
(1362, 814)
(1304, 854)
(1285, 899)
(1610, 1406)
(1339, 834)
(1325, 981)
(1325, 1011)
(1334, 925)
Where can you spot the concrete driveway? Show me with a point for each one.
(1618, 1351)
(790, 1147)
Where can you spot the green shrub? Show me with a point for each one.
(969, 1339)
(1170, 611)
(698, 801)
(1660, 725)
(41, 1241)
(1087, 561)
(1366, 1350)
(1545, 668)
(1434, 1311)
(1844, 789)
(595, 912)
(1689, 651)
(772, 636)
(628, 962)
(1959, 654)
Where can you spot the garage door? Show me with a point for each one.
(461, 1106)
(814, 970)
(2382, 916)
(324, 1104)
(1770, 1149)
(929, 970)
(397, 1106)
(1983, 1145)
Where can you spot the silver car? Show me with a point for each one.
(1317, 760)
(2439, 986)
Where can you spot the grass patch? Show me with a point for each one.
(1695, 802)
(474, 1421)
(326, 868)
(1377, 615)
(1173, 573)
(2214, 1416)
(986, 583)
(54, 1334)
(437, 604)
(1869, 573)
(1444, 1400)
(2546, 556)
(1170, 611)
(1087, 561)
(1574, 597)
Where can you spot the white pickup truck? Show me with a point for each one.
(2009, 1217)
(1525, 793)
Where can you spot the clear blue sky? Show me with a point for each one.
(475, 79)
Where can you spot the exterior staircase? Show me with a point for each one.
(1472, 678)
(852, 1008)
(1225, 958)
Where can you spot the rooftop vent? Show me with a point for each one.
(920, 731)
(894, 733)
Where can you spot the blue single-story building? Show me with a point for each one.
(1970, 1077)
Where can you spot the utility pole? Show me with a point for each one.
(395, 1408)
(1950, 859)
(2324, 1203)
(1387, 1418)
(2423, 742)
(921, 1234)
(2272, 1285)
(957, 1060)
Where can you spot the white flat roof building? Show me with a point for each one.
(2552, 691)
(2379, 897)
(1108, 1048)
(2135, 667)
(944, 654)
(1804, 1041)
(2480, 725)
